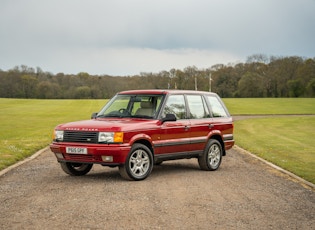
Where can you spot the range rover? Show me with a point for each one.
(137, 129)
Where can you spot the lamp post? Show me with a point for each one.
(210, 79)
(196, 87)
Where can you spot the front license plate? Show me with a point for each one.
(76, 150)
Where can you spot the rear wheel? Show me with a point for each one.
(76, 169)
(212, 156)
(139, 163)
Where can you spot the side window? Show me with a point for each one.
(145, 105)
(197, 107)
(216, 107)
(175, 104)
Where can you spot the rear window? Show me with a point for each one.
(217, 108)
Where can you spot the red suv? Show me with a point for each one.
(139, 128)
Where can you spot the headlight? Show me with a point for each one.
(110, 137)
(58, 135)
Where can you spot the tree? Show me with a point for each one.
(250, 85)
(281, 71)
(310, 88)
(259, 76)
(260, 58)
(28, 86)
(83, 92)
(296, 88)
(48, 90)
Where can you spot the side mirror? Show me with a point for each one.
(169, 117)
(94, 115)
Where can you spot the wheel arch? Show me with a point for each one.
(142, 139)
(146, 143)
(219, 138)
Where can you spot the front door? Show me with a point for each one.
(174, 138)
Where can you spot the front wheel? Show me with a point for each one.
(139, 163)
(76, 169)
(212, 156)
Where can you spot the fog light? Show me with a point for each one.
(107, 158)
(59, 155)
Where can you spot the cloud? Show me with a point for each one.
(128, 37)
(131, 61)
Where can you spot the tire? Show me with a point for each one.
(76, 169)
(212, 156)
(139, 163)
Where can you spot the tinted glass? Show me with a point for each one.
(175, 104)
(143, 106)
(197, 107)
(216, 107)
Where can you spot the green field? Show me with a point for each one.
(286, 141)
(262, 106)
(26, 126)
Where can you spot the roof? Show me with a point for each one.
(164, 91)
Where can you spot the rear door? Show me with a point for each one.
(200, 122)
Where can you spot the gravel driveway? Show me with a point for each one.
(243, 194)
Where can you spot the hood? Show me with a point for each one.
(111, 125)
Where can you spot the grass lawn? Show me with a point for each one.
(287, 142)
(284, 141)
(26, 126)
(256, 106)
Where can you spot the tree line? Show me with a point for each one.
(259, 76)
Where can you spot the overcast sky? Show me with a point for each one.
(126, 37)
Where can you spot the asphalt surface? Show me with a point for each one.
(244, 193)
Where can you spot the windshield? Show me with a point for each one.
(138, 106)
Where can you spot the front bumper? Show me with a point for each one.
(96, 153)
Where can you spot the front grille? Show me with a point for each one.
(80, 137)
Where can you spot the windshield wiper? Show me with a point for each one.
(107, 115)
(113, 115)
(142, 116)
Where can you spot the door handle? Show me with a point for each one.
(211, 126)
(187, 127)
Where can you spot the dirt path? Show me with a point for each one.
(243, 194)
